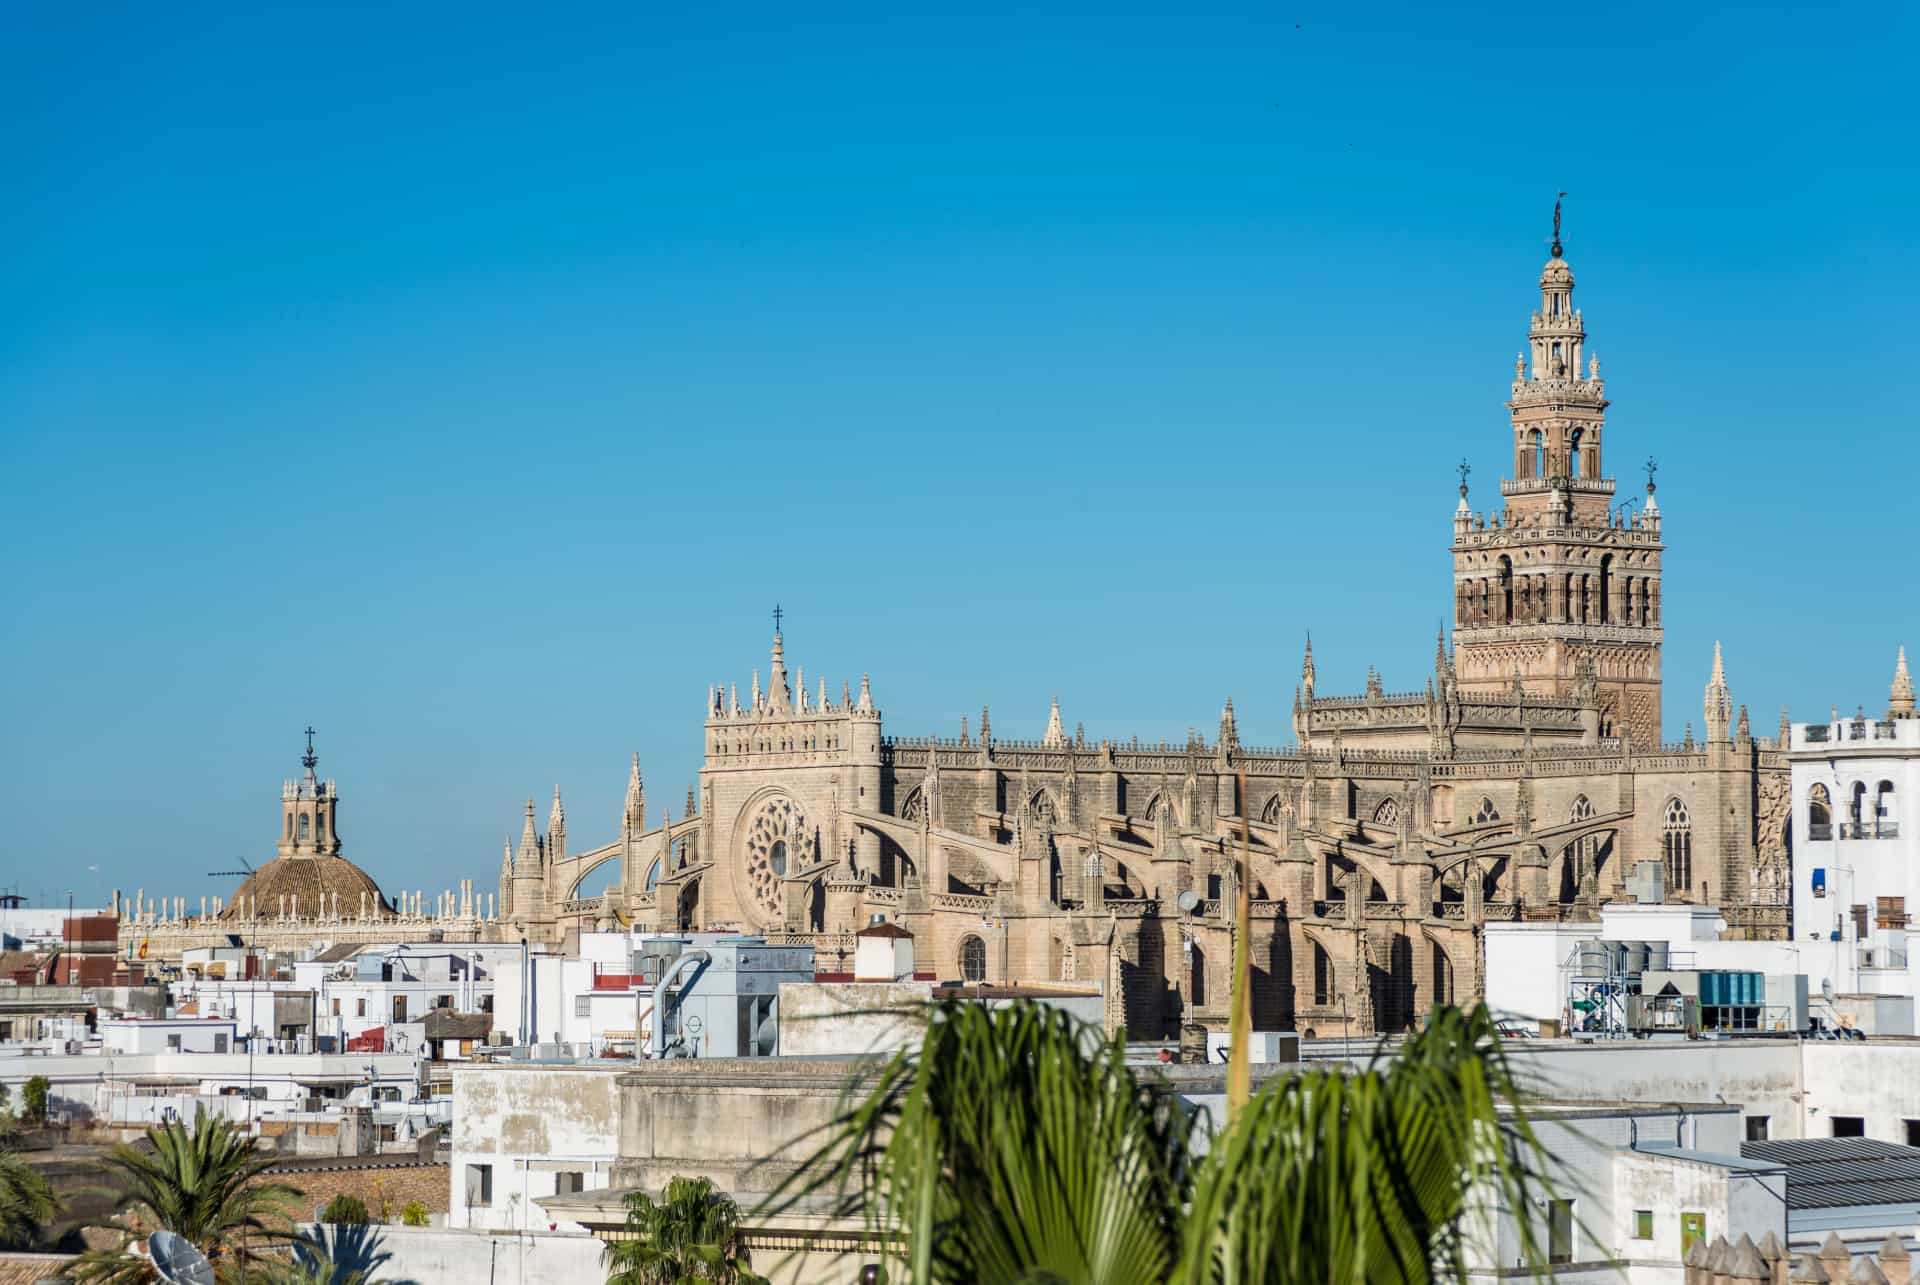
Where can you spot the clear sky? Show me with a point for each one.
(471, 382)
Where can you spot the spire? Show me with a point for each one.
(1056, 736)
(1900, 702)
(986, 728)
(1718, 702)
(866, 696)
(756, 691)
(528, 859)
(1306, 667)
(506, 856)
(1440, 653)
(556, 829)
(692, 807)
(635, 812)
(733, 700)
(823, 695)
(779, 698)
(1229, 728)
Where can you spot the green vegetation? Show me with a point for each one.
(413, 1214)
(201, 1183)
(33, 1100)
(345, 1208)
(1004, 1150)
(691, 1237)
(27, 1202)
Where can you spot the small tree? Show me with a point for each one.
(413, 1214)
(691, 1237)
(33, 1099)
(345, 1208)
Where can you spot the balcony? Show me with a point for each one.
(1861, 830)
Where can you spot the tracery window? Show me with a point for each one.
(1322, 976)
(1676, 840)
(1276, 806)
(777, 838)
(973, 959)
(1388, 813)
(1819, 813)
(1041, 806)
(1486, 812)
(1582, 809)
(915, 804)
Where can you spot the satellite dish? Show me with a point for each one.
(1188, 901)
(178, 1260)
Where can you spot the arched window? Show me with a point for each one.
(914, 805)
(1856, 811)
(1322, 976)
(1388, 813)
(1506, 591)
(1885, 824)
(1041, 806)
(305, 827)
(1197, 976)
(1819, 813)
(1276, 806)
(1605, 587)
(1676, 841)
(1537, 456)
(1582, 809)
(973, 959)
(1573, 454)
(1486, 812)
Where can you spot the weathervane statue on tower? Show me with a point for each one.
(1556, 224)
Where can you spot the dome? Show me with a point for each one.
(314, 881)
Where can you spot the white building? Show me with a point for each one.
(523, 1130)
(1856, 859)
(123, 1035)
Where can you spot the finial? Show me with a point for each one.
(777, 614)
(1556, 224)
(308, 759)
(1901, 703)
(1464, 468)
(1652, 468)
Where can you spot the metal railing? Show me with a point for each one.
(1817, 831)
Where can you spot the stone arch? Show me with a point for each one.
(583, 868)
(1041, 807)
(686, 915)
(973, 958)
(1442, 984)
(914, 804)
(1276, 806)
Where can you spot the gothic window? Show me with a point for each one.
(1322, 976)
(916, 803)
(1856, 811)
(1676, 840)
(1506, 590)
(1537, 455)
(1582, 809)
(1573, 454)
(1041, 806)
(305, 822)
(1197, 976)
(1486, 812)
(1388, 813)
(1884, 825)
(973, 959)
(1276, 806)
(1819, 813)
(1606, 571)
(776, 838)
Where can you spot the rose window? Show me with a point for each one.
(778, 842)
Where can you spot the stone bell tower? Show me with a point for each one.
(1561, 578)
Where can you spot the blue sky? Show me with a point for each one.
(472, 382)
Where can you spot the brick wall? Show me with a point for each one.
(398, 1183)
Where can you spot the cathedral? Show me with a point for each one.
(1525, 779)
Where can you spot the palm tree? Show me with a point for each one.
(692, 1237)
(1016, 1146)
(200, 1184)
(27, 1202)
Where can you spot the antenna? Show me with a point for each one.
(242, 874)
(178, 1260)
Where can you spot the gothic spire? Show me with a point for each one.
(529, 856)
(1306, 666)
(866, 696)
(1229, 728)
(692, 807)
(1056, 736)
(556, 829)
(986, 728)
(778, 697)
(1719, 701)
(1900, 703)
(635, 812)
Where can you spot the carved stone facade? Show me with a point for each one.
(1521, 782)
